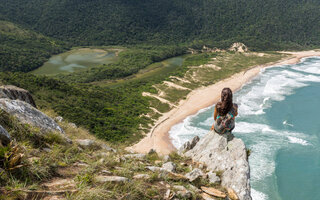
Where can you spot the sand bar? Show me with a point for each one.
(159, 138)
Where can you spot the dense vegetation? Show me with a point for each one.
(24, 50)
(110, 114)
(261, 24)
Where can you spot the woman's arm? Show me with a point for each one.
(215, 114)
(236, 109)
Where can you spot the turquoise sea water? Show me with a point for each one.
(279, 120)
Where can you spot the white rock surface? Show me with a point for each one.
(135, 156)
(104, 179)
(85, 142)
(155, 169)
(169, 166)
(229, 157)
(213, 178)
(194, 174)
(238, 47)
(166, 158)
(28, 114)
(141, 176)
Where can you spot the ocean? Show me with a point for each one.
(279, 121)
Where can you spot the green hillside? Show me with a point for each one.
(24, 50)
(261, 24)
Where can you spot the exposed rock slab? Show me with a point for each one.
(141, 176)
(194, 174)
(232, 194)
(115, 179)
(135, 156)
(85, 142)
(4, 136)
(213, 192)
(228, 157)
(28, 114)
(169, 166)
(15, 93)
(60, 184)
(205, 196)
(238, 47)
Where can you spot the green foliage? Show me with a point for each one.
(24, 50)
(271, 24)
(111, 114)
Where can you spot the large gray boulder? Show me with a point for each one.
(4, 136)
(28, 114)
(15, 93)
(228, 157)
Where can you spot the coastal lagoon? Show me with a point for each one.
(74, 60)
(279, 122)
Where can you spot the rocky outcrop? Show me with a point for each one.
(189, 145)
(28, 114)
(238, 47)
(15, 93)
(229, 158)
(4, 136)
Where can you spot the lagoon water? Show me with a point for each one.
(279, 120)
(74, 60)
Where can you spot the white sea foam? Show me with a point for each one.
(183, 132)
(298, 141)
(256, 195)
(312, 67)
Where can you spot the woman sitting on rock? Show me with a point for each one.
(224, 115)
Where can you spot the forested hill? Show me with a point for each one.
(261, 24)
(25, 50)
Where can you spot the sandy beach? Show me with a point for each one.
(159, 138)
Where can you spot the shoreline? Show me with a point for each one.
(159, 138)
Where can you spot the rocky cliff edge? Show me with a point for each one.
(228, 157)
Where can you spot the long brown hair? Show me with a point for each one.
(226, 104)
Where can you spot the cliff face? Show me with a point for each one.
(228, 157)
